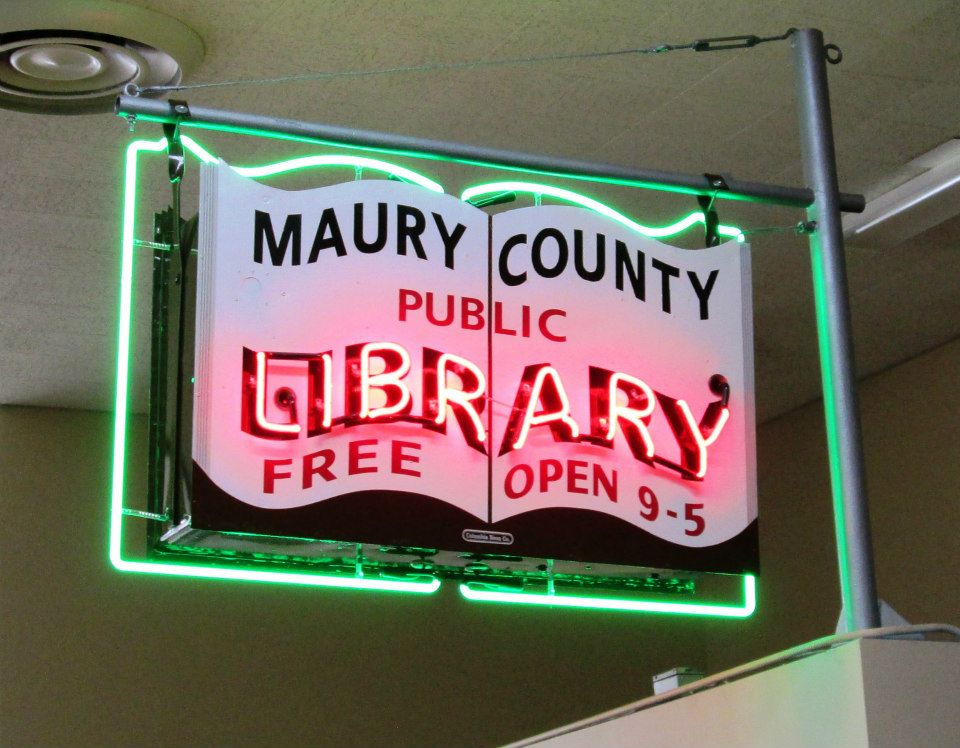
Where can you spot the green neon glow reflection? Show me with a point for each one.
(601, 603)
(427, 585)
(605, 210)
(825, 345)
(361, 162)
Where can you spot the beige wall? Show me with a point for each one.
(911, 426)
(871, 693)
(93, 657)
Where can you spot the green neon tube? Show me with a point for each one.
(559, 193)
(600, 603)
(427, 585)
(305, 162)
(362, 162)
(198, 150)
(273, 135)
(123, 339)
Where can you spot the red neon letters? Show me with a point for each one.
(465, 402)
(376, 392)
(539, 384)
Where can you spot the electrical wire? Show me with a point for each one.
(700, 45)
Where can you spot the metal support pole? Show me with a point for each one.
(158, 110)
(854, 550)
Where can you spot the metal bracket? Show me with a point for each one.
(128, 512)
(175, 157)
(718, 182)
(711, 222)
(171, 131)
(495, 199)
(358, 560)
(711, 236)
(175, 166)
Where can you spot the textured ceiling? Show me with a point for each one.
(895, 96)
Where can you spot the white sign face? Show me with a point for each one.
(380, 363)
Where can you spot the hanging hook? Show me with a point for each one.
(833, 54)
(171, 131)
(175, 157)
(711, 222)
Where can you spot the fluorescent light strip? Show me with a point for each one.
(429, 584)
(683, 224)
(361, 162)
(600, 603)
(907, 205)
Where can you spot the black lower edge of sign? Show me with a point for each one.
(400, 518)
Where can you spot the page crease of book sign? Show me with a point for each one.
(380, 363)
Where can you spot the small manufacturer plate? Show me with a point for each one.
(487, 536)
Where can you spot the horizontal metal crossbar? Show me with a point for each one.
(158, 110)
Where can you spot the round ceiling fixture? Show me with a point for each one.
(76, 56)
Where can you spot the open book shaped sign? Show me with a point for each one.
(380, 363)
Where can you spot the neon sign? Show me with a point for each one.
(386, 364)
(640, 456)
